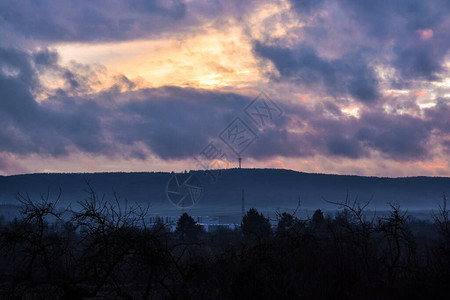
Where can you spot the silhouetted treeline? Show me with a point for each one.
(107, 250)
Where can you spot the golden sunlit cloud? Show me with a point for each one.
(211, 58)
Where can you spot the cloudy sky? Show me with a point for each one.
(362, 87)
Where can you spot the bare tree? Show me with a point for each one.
(441, 219)
(354, 221)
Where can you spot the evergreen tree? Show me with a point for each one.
(289, 225)
(317, 219)
(188, 227)
(254, 225)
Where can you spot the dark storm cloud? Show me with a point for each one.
(403, 21)
(343, 146)
(175, 122)
(306, 6)
(446, 145)
(348, 75)
(415, 32)
(16, 62)
(401, 137)
(29, 127)
(85, 20)
(338, 136)
(439, 117)
(411, 37)
(45, 58)
(380, 17)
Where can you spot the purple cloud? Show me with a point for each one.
(50, 20)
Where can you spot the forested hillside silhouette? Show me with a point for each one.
(270, 188)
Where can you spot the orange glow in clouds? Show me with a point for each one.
(433, 165)
(425, 34)
(209, 58)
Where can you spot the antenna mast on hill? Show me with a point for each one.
(243, 204)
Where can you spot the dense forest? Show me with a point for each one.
(271, 188)
(107, 250)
